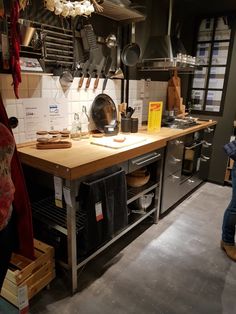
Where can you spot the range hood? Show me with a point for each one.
(167, 52)
(118, 10)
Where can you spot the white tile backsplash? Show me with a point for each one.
(20, 110)
(146, 91)
(44, 87)
(11, 110)
(22, 138)
(21, 127)
(34, 82)
(34, 93)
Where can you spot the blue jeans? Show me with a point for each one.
(229, 221)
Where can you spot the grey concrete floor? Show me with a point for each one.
(173, 267)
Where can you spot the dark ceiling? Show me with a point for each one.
(206, 6)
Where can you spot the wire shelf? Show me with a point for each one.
(135, 193)
(46, 211)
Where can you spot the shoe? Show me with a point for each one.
(229, 249)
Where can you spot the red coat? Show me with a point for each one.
(21, 203)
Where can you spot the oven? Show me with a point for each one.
(187, 161)
(192, 153)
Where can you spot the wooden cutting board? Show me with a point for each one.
(174, 93)
(109, 142)
(54, 145)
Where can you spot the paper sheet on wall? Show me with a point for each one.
(58, 114)
(44, 114)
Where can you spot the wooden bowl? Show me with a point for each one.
(135, 182)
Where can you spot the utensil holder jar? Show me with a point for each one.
(125, 125)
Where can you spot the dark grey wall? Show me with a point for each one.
(188, 11)
(225, 124)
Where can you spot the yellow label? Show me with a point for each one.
(154, 115)
(58, 203)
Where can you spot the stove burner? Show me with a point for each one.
(180, 123)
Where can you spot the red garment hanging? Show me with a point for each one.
(21, 203)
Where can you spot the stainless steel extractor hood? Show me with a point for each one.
(167, 52)
(120, 11)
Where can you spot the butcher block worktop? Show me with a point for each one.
(84, 158)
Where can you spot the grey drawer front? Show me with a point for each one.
(188, 185)
(208, 134)
(174, 156)
(204, 168)
(206, 149)
(170, 191)
(172, 164)
(144, 160)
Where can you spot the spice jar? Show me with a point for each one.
(42, 136)
(54, 135)
(84, 123)
(75, 129)
(65, 134)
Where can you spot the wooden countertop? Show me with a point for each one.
(84, 158)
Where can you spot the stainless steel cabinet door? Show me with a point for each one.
(170, 190)
(174, 156)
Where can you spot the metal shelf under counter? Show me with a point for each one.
(47, 212)
(134, 193)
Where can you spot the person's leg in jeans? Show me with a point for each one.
(7, 244)
(229, 221)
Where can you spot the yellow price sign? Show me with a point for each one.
(154, 115)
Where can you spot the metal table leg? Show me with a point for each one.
(71, 235)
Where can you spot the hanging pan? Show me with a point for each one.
(131, 53)
(103, 112)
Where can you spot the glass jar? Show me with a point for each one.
(84, 123)
(76, 128)
(54, 135)
(65, 134)
(42, 136)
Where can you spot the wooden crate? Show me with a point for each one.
(25, 278)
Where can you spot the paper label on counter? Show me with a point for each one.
(58, 191)
(98, 210)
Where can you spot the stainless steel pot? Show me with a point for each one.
(144, 201)
(27, 32)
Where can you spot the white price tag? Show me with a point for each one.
(98, 210)
(23, 301)
(67, 196)
(58, 191)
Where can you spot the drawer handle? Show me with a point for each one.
(190, 181)
(175, 177)
(206, 144)
(176, 160)
(204, 158)
(193, 146)
(178, 142)
(208, 130)
(140, 163)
